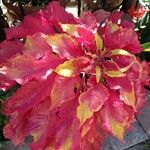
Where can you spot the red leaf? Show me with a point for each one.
(63, 90)
(65, 46)
(24, 67)
(52, 126)
(82, 34)
(36, 46)
(94, 97)
(5, 83)
(8, 49)
(124, 37)
(28, 96)
(101, 15)
(56, 13)
(115, 116)
(74, 67)
(86, 18)
(30, 25)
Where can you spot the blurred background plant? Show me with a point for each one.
(17, 9)
(31, 2)
(141, 17)
(3, 96)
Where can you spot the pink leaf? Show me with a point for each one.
(95, 97)
(101, 15)
(29, 95)
(8, 49)
(30, 25)
(24, 67)
(63, 90)
(65, 46)
(86, 18)
(124, 37)
(5, 83)
(56, 13)
(111, 121)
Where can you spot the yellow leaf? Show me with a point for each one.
(99, 42)
(84, 113)
(70, 29)
(28, 43)
(54, 40)
(121, 52)
(114, 73)
(73, 67)
(58, 41)
(50, 148)
(114, 26)
(98, 74)
(129, 97)
(84, 131)
(117, 129)
(66, 145)
(35, 136)
(66, 69)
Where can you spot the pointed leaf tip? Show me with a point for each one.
(84, 112)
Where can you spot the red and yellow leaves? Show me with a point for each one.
(90, 41)
(124, 37)
(29, 95)
(128, 96)
(84, 112)
(127, 91)
(92, 137)
(22, 123)
(37, 60)
(121, 62)
(117, 129)
(25, 67)
(73, 67)
(36, 45)
(111, 121)
(30, 25)
(76, 85)
(91, 101)
(64, 45)
(63, 90)
(94, 97)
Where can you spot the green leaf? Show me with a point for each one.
(146, 47)
(145, 20)
(9, 92)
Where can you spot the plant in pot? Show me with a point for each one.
(80, 81)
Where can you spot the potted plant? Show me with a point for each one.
(80, 81)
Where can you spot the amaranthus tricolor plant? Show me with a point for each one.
(80, 79)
